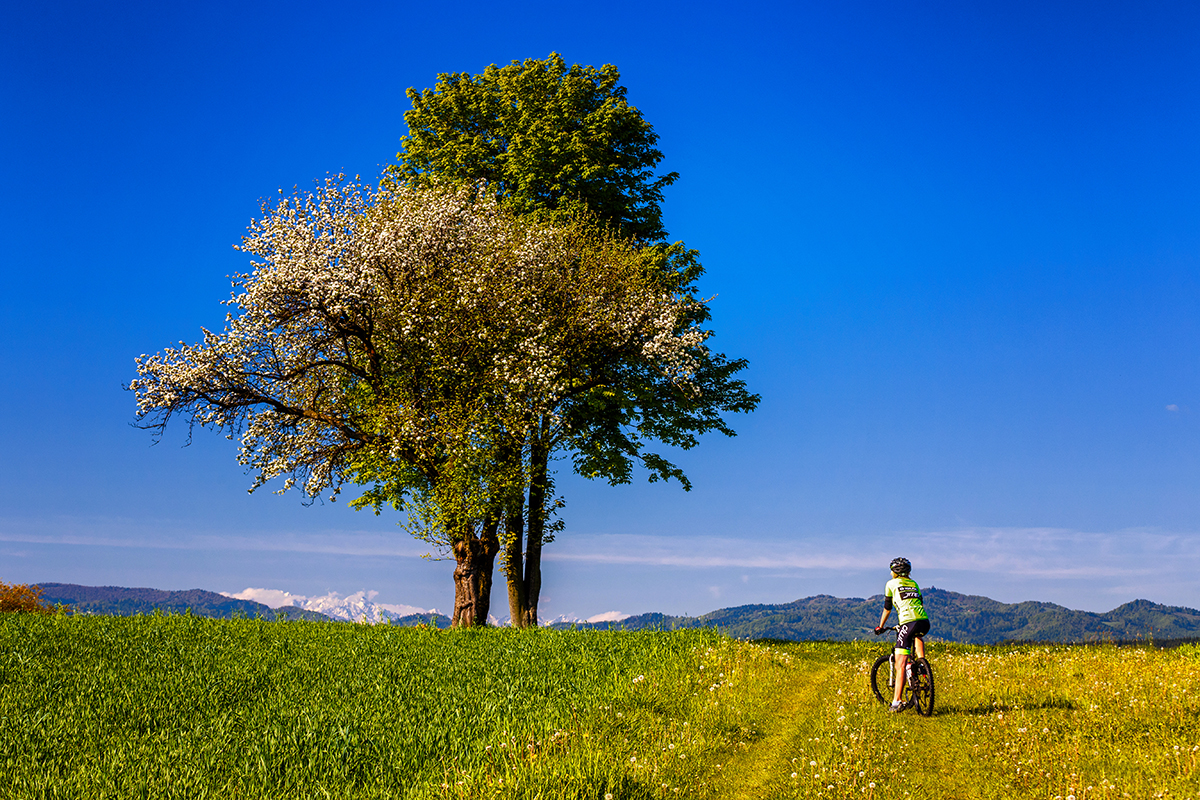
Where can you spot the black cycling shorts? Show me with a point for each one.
(905, 634)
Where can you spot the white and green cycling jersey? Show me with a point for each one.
(905, 595)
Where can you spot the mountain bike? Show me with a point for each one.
(918, 689)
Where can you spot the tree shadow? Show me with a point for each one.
(985, 709)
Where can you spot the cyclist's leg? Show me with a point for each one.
(922, 628)
(903, 650)
(901, 663)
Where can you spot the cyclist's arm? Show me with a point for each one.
(887, 606)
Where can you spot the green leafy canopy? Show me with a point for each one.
(547, 137)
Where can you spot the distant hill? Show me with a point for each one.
(121, 601)
(956, 618)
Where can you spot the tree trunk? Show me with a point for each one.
(491, 546)
(475, 558)
(539, 465)
(514, 559)
(523, 559)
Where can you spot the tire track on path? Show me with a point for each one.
(748, 774)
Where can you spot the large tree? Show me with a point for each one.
(564, 144)
(421, 341)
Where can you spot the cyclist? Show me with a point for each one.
(903, 593)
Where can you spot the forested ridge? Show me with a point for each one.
(122, 601)
(956, 617)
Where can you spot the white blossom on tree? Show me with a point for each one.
(430, 344)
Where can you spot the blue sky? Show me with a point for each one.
(959, 246)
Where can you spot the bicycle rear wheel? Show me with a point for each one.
(883, 681)
(922, 687)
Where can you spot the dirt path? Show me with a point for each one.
(748, 774)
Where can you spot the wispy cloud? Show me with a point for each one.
(274, 598)
(1026, 552)
(115, 532)
(1052, 553)
(1128, 563)
(697, 552)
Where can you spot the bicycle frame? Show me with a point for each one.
(918, 682)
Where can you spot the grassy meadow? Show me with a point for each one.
(181, 706)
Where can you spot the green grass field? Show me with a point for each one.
(178, 706)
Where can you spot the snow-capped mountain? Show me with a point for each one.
(358, 607)
(361, 607)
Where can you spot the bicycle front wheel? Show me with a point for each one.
(922, 687)
(882, 681)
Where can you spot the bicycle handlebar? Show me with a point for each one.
(882, 631)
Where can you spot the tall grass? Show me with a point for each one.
(180, 706)
(1053, 722)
